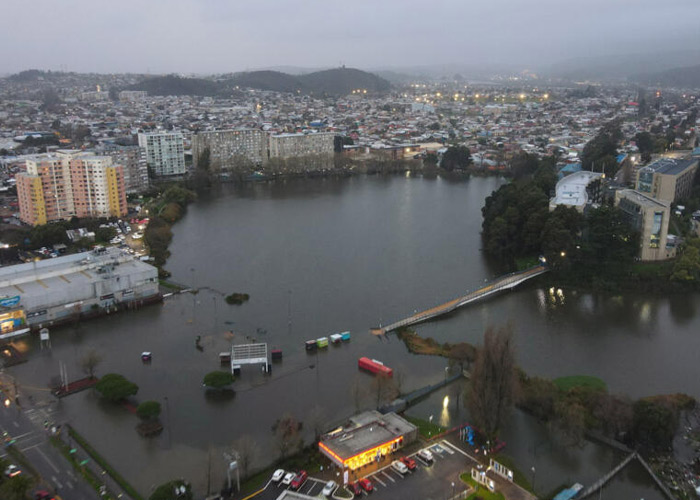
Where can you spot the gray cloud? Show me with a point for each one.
(231, 35)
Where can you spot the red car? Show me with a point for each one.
(298, 480)
(355, 488)
(366, 485)
(43, 495)
(408, 462)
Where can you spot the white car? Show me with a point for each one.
(278, 475)
(426, 456)
(12, 471)
(329, 488)
(399, 467)
(288, 478)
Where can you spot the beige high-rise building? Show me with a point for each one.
(228, 147)
(668, 179)
(650, 217)
(298, 145)
(61, 185)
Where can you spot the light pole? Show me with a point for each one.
(533, 479)
(167, 420)
(453, 491)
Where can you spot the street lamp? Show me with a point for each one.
(453, 490)
(533, 478)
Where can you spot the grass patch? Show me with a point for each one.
(481, 491)
(84, 472)
(586, 381)
(426, 428)
(419, 345)
(237, 298)
(523, 263)
(104, 464)
(519, 477)
(171, 286)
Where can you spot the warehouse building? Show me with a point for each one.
(367, 438)
(54, 291)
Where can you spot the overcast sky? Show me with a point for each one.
(217, 36)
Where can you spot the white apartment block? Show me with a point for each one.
(298, 145)
(165, 153)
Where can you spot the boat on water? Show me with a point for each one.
(311, 345)
(374, 366)
(322, 342)
(336, 338)
(345, 336)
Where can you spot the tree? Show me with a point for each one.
(15, 488)
(246, 451)
(218, 379)
(358, 393)
(430, 159)
(148, 410)
(89, 362)
(384, 389)
(569, 421)
(456, 158)
(653, 425)
(599, 153)
(687, 266)
(173, 490)
(115, 387)
(316, 420)
(645, 142)
(493, 382)
(287, 433)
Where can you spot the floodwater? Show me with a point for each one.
(327, 255)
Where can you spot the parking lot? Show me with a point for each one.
(429, 481)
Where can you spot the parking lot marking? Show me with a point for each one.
(460, 451)
(313, 485)
(447, 449)
(389, 477)
(378, 480)
(421, 461)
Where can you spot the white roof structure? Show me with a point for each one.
(571, 190)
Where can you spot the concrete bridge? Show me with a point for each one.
(507, 282)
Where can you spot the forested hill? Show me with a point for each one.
(685, 77)
(339, 81)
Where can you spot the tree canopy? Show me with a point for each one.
(456, 158)
(599, 154)
(218, 379)
(148, 410)
(115, 387)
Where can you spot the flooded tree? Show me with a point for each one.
(287, 433)
(246, 449)
(89, 362)
(316, 420)
(383, 389)
(115, 387)
(491, 392)
(358, 393)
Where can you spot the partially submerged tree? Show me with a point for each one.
(493, 382)
(148, 410)
(115, 387)
(173, 490)
(246, 450)
(89, 362)
(287, 432)
(218, 379)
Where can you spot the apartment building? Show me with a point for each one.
(165, 153)
(668, 179)
(228, 147)
(295, 145)
(58, 186)
(133, 159)
(650, 217)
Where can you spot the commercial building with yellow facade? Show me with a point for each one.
(68, 183)
(367, 438)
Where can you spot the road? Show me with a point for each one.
(26, 427)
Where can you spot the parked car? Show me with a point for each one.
(288, 478)
(399, 467)
(12, 470)
(278, 475)
(43, 495)
(329, 488)
(355, 488)
(366, 485)
(299, 480)
(426, 456)
(408, 462)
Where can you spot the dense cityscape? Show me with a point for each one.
(435, 282)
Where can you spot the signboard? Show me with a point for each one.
(44, 334)
(480, 477)
(34, 314)
(108, 296)
(501, 470)
(9, 301)
(346, 476)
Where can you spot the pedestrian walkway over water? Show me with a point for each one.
(507, 282)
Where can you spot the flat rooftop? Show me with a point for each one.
(366, 431)
(571, 190)
(672, 166)
(641, 199)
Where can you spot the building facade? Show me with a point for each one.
(228, 147)
(668, 179)
(578, 190)
(165, 153)
(58, 186)
(133, 159)
(650, 217)
(298, 145)
(368, 438)
(53, 291)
